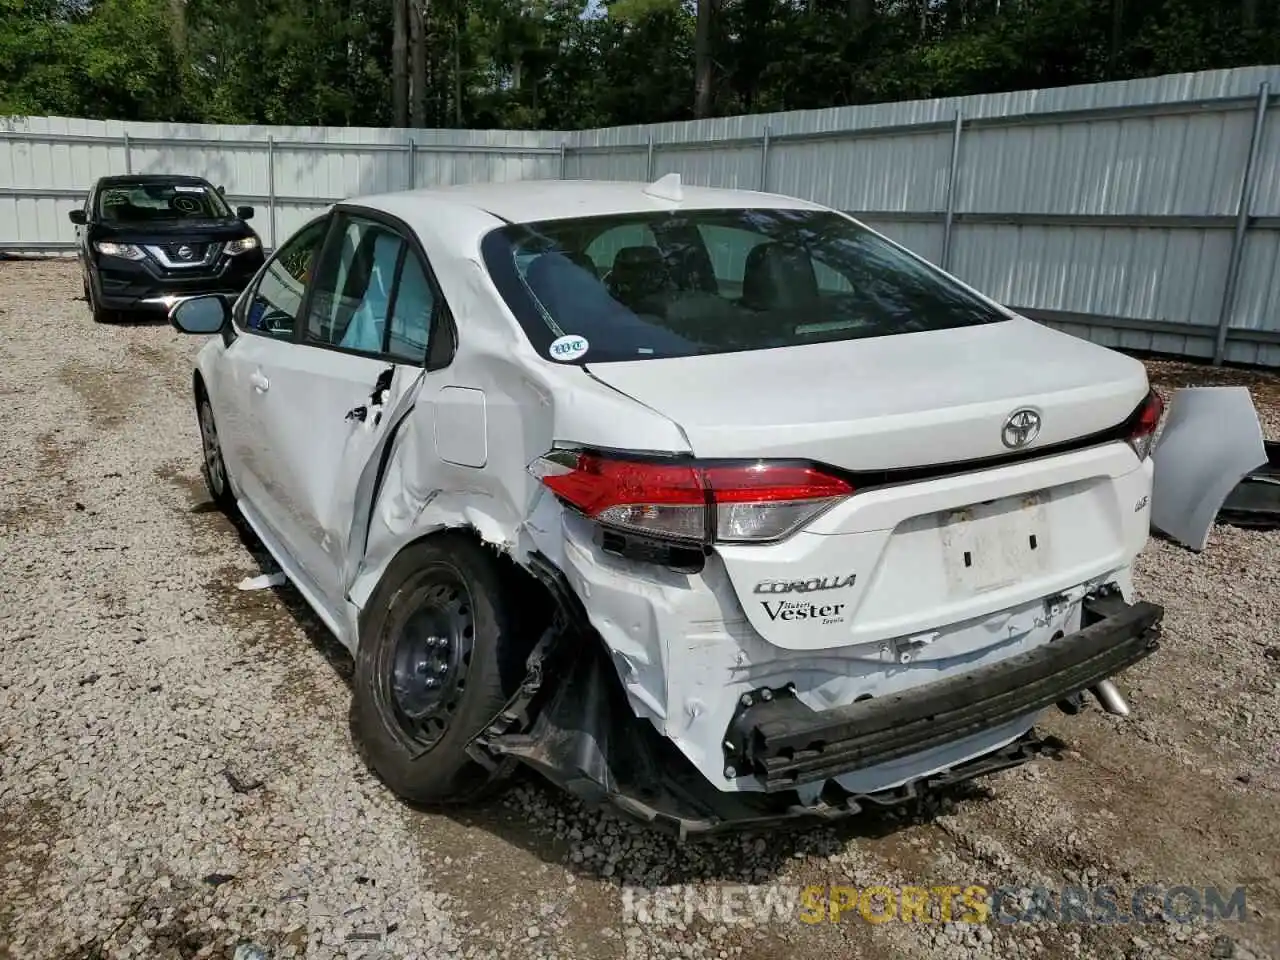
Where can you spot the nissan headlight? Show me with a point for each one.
(125, 251)
(242, 245)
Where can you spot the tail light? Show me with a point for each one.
(689, 501)
(1144, 422)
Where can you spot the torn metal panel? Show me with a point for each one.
(364, 461)
(575, 732)
(1211, 440)
(685, 654)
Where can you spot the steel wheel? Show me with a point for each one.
(440, 654)
(432, 646)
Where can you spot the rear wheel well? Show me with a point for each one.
(535, 600)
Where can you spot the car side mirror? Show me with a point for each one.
(77, 217)
(200, 315)
(244, 213)
(222, 190)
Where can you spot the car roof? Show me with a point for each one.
(120, 178)
(524, 201)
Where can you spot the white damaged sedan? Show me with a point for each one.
(711, 504)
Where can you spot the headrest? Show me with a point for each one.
(634, 257)
(638, 273)
(778, 275)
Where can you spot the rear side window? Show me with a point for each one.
(353, 289)
(716, 281)
(415, 305)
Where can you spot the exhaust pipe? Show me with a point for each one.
(1111, 699)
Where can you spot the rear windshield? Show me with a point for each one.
(633, 286)
(152, 202)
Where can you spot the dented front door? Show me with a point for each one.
(339, 410)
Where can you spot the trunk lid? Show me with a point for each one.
(905, 563)
(910, 400)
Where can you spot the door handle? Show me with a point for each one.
(357, 413)
(260, 383)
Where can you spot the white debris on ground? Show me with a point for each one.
(177, 777)
(262, 581)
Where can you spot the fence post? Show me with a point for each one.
(764, 161)
(951, 190)
(271, 188)
(1242, 224)
(648, 173)
(564, 159)
(413, 163)
(128, 154)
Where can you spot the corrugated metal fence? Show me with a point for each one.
(1143, 214)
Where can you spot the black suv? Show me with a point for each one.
(147, 241)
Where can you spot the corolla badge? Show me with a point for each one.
(1021, 427)
(805, 586)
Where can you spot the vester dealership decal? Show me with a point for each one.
(805, 586)
(789, 610)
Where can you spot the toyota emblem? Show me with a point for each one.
(1020, 428)
(184, 252)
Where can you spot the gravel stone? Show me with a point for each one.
(160, 728)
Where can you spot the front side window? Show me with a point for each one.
(151, 201)
(273, 307)
(636, 286)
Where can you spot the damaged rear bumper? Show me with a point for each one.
(785, 743)
(572, 723)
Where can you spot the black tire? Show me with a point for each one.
(446, 585)
(212, 466)
(100, 313)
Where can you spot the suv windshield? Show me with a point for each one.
(152, 201)
(714, 281)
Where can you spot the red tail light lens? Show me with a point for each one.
(748, 503)
(1145, 421)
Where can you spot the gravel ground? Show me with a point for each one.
(177, 776)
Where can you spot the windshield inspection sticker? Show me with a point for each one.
(569, 347)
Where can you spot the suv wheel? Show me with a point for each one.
(439, 656)
(100, 313)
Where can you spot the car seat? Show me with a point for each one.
(778, 276)
(639, 277)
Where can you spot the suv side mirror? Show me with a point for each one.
(201, 315)
(222, 190)
(244, 213)
(77, 217)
